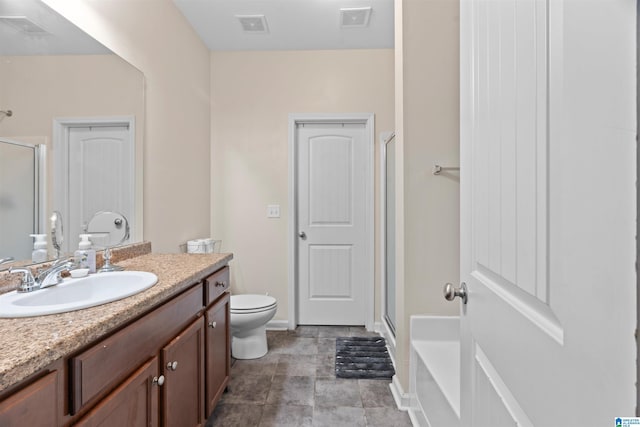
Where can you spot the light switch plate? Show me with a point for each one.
(273, 211)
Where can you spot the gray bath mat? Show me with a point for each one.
(363, 358)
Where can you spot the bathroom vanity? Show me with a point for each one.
(161, 357)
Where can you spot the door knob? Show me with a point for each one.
(158, 380)
(302, 235)
(172, 366)
(451, 292)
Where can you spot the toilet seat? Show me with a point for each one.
(250, 303)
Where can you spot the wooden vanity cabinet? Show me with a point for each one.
(169, 367)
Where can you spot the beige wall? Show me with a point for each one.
(252, 96)
(40, 88)
(427, 126)
(154, 37)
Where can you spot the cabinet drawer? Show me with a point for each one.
(215, 285)
(106, 364)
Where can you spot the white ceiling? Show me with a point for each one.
(61, 36)
(292, 24)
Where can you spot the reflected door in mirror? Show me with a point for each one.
(98, 175)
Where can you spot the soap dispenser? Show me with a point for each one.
(39, 253)
(85, 257)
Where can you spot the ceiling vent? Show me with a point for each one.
(355, 17)
(23, 24)
(256, 24)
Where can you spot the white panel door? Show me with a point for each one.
(548, 212)
(100, 176)
(332, 223)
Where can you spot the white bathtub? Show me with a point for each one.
(434, 367)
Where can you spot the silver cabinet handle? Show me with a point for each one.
(450, 292)
(172, 366)
(302, 235)
(158, 380)
(212, 324)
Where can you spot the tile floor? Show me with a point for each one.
(295, 385)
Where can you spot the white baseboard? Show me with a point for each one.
(403, 401)
(377, 327)
(278, 325)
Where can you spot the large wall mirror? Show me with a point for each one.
(66, 94)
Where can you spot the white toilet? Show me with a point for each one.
(249, 317)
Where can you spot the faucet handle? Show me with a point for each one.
(6, 260)
(28, 283)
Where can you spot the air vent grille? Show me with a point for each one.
(253, 23)
(355, 17)
(22, 24)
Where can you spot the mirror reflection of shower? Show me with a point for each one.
(107, 230)
(22, 196)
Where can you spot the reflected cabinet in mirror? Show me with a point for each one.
(84, 106)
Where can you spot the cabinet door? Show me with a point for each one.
(183, 366)
(134, 403)
(34, 405)
(218, 350)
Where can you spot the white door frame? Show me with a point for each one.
(369, 292)
(61, 129)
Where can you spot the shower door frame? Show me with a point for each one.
(387, 329)
(40, 182)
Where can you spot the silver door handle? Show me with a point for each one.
(302, 235)
(450, 292)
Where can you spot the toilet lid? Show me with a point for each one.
(251, 302)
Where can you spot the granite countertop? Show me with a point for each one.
(31, 343)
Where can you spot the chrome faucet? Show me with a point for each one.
(49, 277)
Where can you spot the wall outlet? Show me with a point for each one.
(273, 211)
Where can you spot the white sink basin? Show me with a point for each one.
(75, 294)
